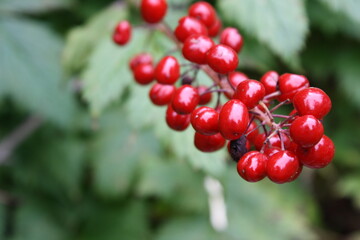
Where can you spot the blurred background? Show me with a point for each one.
(84, 154)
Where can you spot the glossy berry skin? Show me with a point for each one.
(185, 99)
(188, 26)
(161, 95)
(176, 121)
(251, 134)
(153, 11)
(214, 30)
(319, 155)
(237, 77)
(122, 33)
(312, 101)
(205, 98)
(306, 131)
(232, 38)
(167, 70)
(252, 166)
(250, 92)
(206, 143)
(274, 141)
(203, 12)
(271, 151)
(222, 59)
(138, 59)
(144, 74)
(283, 167)
(205, 120)
(270, 81)
(233, 119)
(195, 48)
(290, 84)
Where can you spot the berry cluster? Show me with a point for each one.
(260, 143)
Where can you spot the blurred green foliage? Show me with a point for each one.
(103, 164)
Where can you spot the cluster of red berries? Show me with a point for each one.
(259, 144)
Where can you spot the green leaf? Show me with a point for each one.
(32, 6)
(281, 25)
(30, 69)
(350, 8)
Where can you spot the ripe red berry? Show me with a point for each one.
(161, 94)
(319, 155)
(185, 99)
(153, 11)
(233, 119)
(122, 33)
(214, 30)
(203, 12)
(270, 81)
(144, 74)
(250, 92)
(195, 48)
(188, 26)
(206, 143)
(205, 98)
(237, 77)
(167, 70)
(283, 167)
(251, 134)
(274, 141)
(271, 151)
(205, 120)
(232, 38)
(222, 59)
(176, 121)
(312, 101)
(290, 84)
(306, 131)
(141, 58)
(252, 166)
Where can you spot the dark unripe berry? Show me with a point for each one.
(144, 74)
(177, 121)
(238, 147)
(206, 143)
(306, 131)
(205, 97)
(252, 166)
(222, 59)
(232, 38)
(167, 70)
(161, 94)
(283, 167)
(290, 84)
(270, 81)
(250, 92)
(195, 48)
(233, 119)
(205, 120)
(122, 33)
(153, 11)
(312, 101)
(203, 12)
(138, 59)
(214, 30)
(189, 26)
(185, 99)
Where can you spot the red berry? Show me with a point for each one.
(144, 74)
(214, 30)
(252, 166)
(290, 84)
(185, 99)
(283, 167)
(141, 58)
(319, 155)
(270, 81)
(251, 134)
(291, 114)
(274, 141)
(167, 70)
(233, 119)
(250, 92)
(205, 98)
(176, 121)
(203, 12)
(205, 120)
(188, 26)
(195, 48)
(222, 59)
(122, 33)
(237, 77)
(161, 94)
(153, 11)
(207, 143)
(312, 101)
(306, 131)
(271, 151)
(232, 38)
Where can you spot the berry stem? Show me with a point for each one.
(279, 105)
(271, 95)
